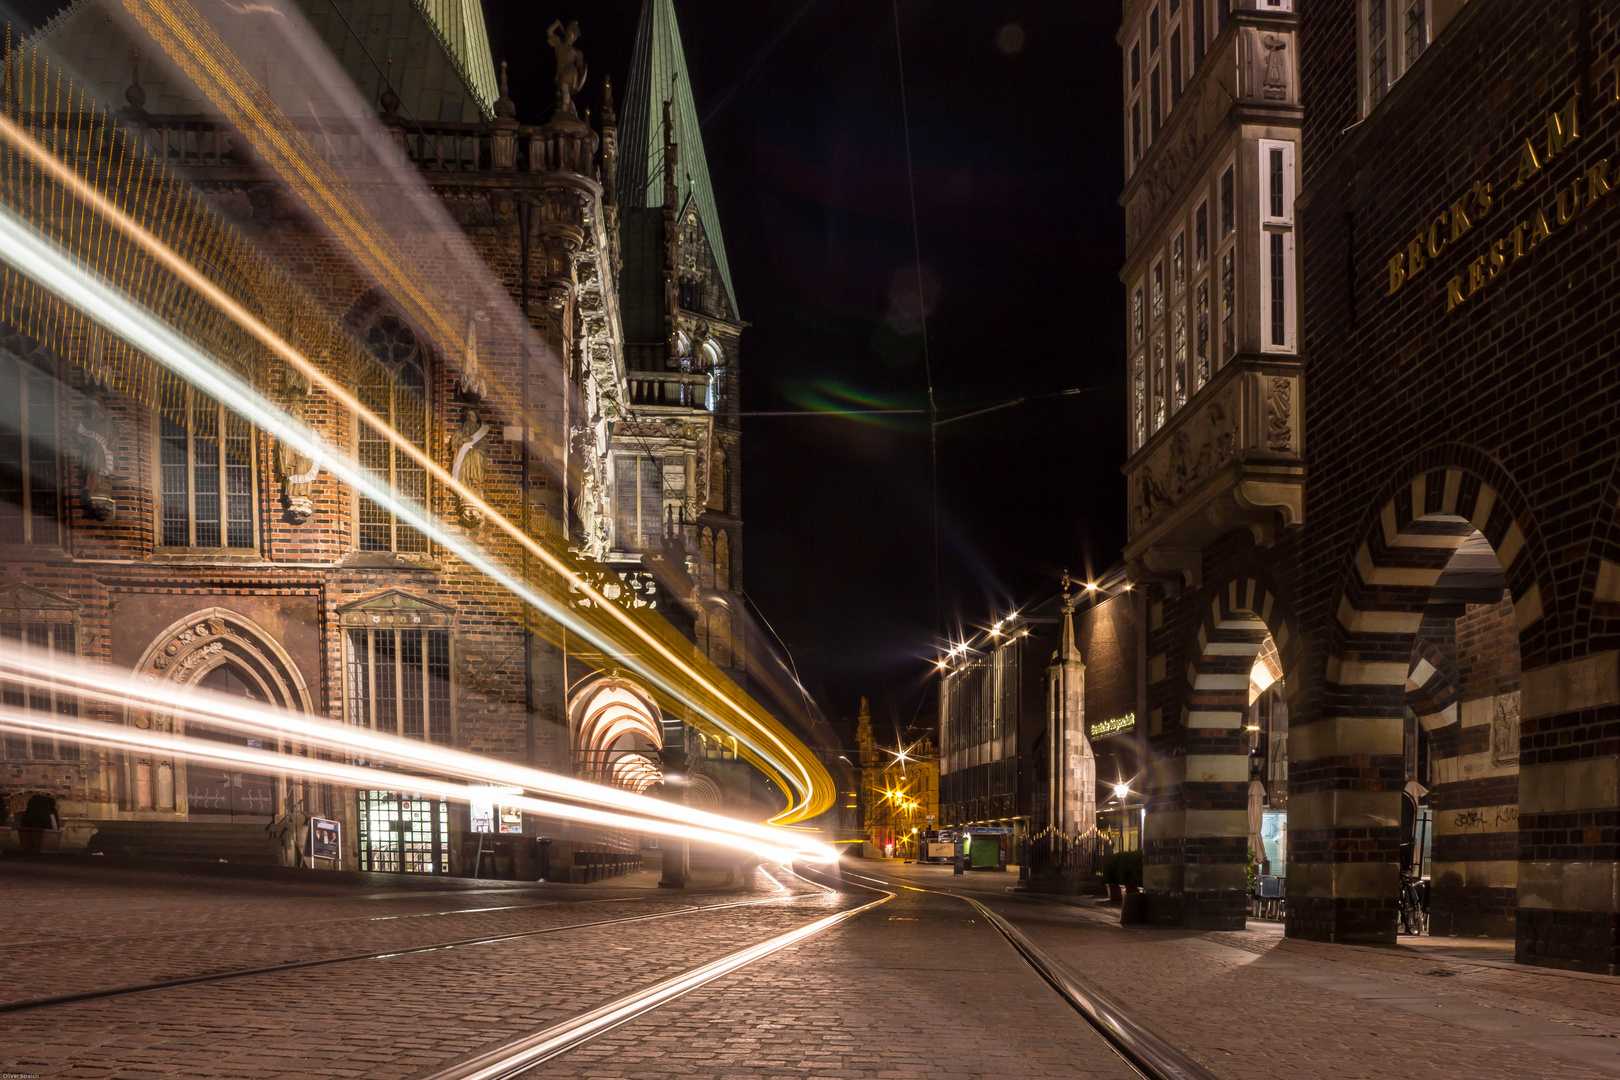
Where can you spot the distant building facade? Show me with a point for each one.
(1038, 714)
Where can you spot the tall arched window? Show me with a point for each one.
(722, 560)
(29, 513)
(395, 390)
(706, 558)
(714, 361)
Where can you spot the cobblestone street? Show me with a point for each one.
(918, 986)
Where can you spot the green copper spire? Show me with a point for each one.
(658, 73)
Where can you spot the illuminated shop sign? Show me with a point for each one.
(1113, 725)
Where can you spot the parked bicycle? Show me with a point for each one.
(1414, 904)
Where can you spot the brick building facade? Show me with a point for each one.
(593, 322)
(1442, 607)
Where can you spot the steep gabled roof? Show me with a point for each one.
(658, 73)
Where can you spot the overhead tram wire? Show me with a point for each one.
(922, 306)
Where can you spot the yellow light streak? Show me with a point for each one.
(814, 785)
(269, 761)
(94, 682)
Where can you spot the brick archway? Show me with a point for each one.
(1344, 864)
(1195, 851)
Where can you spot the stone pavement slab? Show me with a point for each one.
(1255, 1004)
(921, 987)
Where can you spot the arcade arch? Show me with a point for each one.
(617, 733)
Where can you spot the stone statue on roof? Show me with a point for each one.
(570, 63)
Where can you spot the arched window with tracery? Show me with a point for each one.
(706, 558)
(719, 479)
(722, 560)
(395, 390)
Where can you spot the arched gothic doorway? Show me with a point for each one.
(223, 651)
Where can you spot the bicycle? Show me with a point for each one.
(1414, 904)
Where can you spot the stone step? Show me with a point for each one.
(212, 841)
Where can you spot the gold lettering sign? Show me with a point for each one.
(1561, 131)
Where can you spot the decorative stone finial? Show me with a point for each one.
(135, 94)
(505, 107)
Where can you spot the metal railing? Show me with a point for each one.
(1051, 854)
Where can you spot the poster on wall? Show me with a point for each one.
(325, 839)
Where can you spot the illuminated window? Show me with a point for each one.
(1158, 382)
(638, 506)
(1178, 263)
(1158, 291)
(205, 464)
(1136, 316)
(29, 484)
(402, 833)
(1201, 337)
(1178, 358)
(395, 390)
(1138, 402)
(399, 682)
(44, 622)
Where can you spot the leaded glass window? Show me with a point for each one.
(394, 390)
(638, 506)
(205, 464)
(399, 682)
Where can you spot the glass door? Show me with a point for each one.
(401, 833)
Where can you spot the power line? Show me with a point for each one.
(922, 305)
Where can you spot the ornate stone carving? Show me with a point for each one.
(98, 434)
(470, 464)
(1275, 88)
(1279, 414)
(571, 69)
(295, 469)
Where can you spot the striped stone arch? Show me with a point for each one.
(1431, 686)
(1197, 845)
(1347, 766)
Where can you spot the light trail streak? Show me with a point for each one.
(32, 667)
(523, 1054)
(269, 761)
(77, 286)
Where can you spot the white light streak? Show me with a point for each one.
(36, 258)
(91, 681)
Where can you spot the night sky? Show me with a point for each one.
(1015, 138)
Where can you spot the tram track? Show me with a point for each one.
(1142, 1050)
(513, 1058)
(1146, 1051)
(44, 1002)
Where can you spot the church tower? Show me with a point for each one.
(675, 455)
